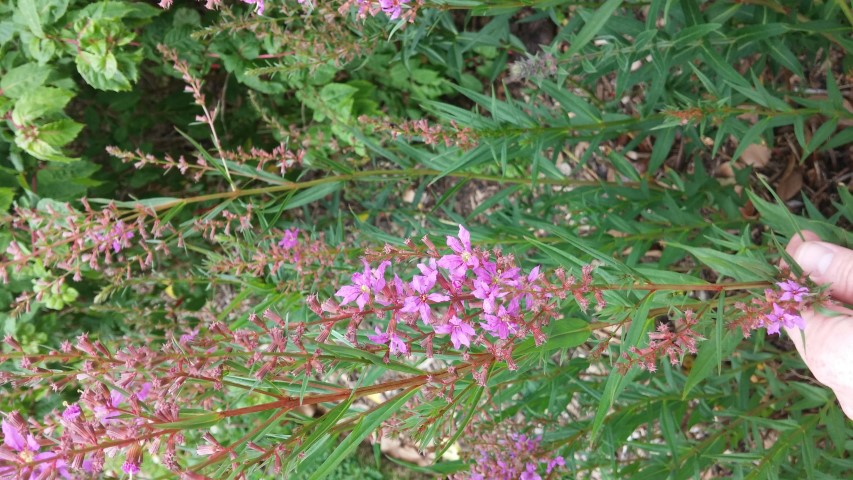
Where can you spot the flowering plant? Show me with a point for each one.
(482, 249)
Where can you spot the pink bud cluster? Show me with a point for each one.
(428, 133)
(471, 297)
(282, 158)
(281, 251)
(66, 240)
(665, 342)
(776, 309)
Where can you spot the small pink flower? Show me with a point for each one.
(781, 316)
(460, 332)
(13, 439)
(792, 291)
(396, 345)
(554, 462)
(393, 8)
(363, 284)
(105, 412)
(463, 257)
(381, 337)
(489, 293)
(71, 412)
(290, 239)
(530, 473)
(419, 302)
(501, 325)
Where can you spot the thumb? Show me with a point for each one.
(828, 263)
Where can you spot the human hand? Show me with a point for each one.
(828, 347)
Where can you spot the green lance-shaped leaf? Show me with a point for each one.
(593, 26)
(363, 428)
(194, 421)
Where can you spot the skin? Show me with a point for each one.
(826, 345)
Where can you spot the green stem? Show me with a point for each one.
(384, 174)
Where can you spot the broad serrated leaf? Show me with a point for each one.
(23, 78)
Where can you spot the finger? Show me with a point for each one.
(796, 241)
(828, 263)
(825, 346)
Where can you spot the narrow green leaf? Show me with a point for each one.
(313, 194)
(447, 195)
(473, 402)
(320, 427)
(695, 32)
(820, 136)
(663, 145)
(219, 165)
(192, 421)
(737, 266)
(362, 429)
(718, 331)
(593, 26)
(703, 366)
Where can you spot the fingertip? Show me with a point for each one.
(799, 238)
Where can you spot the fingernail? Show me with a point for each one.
(814, 257)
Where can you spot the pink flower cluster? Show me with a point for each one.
(83, 431)
(512, 457)
(471, 296)
(393, 8)
(21, 447)
(777, 309)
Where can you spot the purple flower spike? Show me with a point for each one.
(460, 332)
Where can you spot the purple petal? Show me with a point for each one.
(411, 304)
(442, 329)
(426, 314)
(362, 300)
(450, 262)
(13, 438)
(465, 237)
(455, 244)
(380, 337)
(437, 297)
